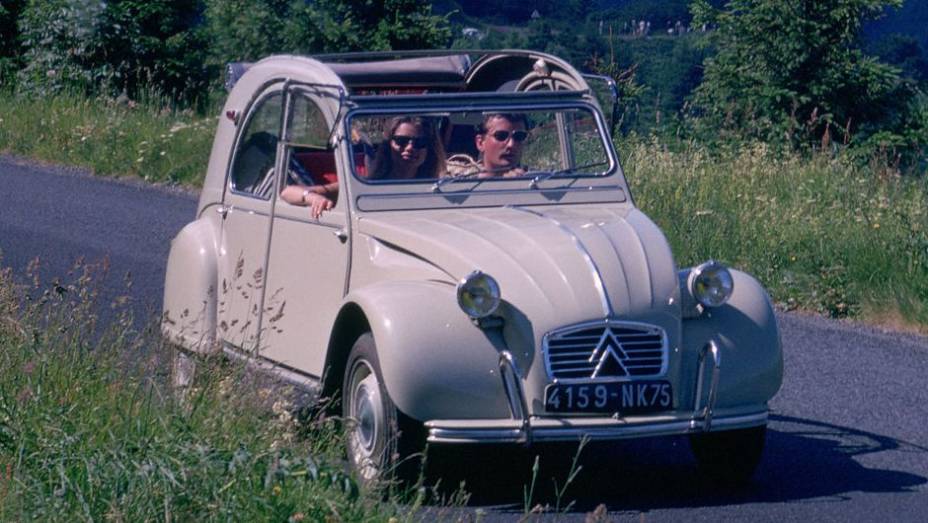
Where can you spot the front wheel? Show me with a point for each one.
(729, 457)
(378, 447)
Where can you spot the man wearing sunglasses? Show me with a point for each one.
(500, 139)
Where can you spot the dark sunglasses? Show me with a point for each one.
(502, 136)
(418, 142)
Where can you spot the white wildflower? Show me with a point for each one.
(282, 409)
(225, 386)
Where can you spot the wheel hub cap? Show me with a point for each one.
(366, 417)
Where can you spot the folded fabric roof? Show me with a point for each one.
(444, 71)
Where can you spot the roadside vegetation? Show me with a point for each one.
(823, 233)
(89, 432)
(111, 137)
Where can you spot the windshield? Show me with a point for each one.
(441, 148)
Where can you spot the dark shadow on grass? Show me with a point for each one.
(804, 459)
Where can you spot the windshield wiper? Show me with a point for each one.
(540, 176)
(546, 175)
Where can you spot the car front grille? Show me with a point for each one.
(606, 350)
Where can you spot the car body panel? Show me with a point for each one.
(305, 275)
(451, 367)
(746, 330)
(244, 236)
(567, 251)
(190, 286)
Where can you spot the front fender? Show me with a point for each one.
(189, 312)
(436, 362)
(746, 332)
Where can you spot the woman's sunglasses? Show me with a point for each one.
(502, 136)
(418, 142)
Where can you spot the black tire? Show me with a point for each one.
(383, 444)
(729, 457)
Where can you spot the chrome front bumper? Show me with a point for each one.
(526, 429)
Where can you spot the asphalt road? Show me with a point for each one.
(847, 441)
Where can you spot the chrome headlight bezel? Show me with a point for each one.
(478, 295)
(711, 284)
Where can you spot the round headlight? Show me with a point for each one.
(478, 295)
(711, 284)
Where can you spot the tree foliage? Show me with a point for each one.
(177, 47)
(9, 39)
(114, 46)
(779, 70)
(250, 29)
(380, 25)
(791, 70)
(904, 52)
(245, 30)
(520, 11)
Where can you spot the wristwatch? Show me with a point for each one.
(303, 197)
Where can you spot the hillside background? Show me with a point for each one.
(665, 60)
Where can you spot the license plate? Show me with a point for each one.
(623, 397)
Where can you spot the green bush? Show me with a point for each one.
(112, 47)
(792, 72)
(9, 35)
(240, 30)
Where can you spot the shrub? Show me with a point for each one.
(112, 47)
(9, 34)
(792, 72)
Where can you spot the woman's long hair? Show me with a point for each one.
(434, 164)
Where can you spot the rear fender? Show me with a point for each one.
(189, 317)
(436, 362)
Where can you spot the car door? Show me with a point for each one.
(247, 209)
(308, 257)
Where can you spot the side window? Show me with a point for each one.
(307, 124)
(254, 157)
(311, 159)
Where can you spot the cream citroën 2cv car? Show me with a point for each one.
(462, 305)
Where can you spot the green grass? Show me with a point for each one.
(821, 233)
(87, 432)
(110, 138)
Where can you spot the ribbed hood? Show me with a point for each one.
(557, 266)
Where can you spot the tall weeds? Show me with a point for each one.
(820, 232)
(109, 136)
(87, 432)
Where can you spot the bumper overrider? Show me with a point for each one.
(526, 429)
